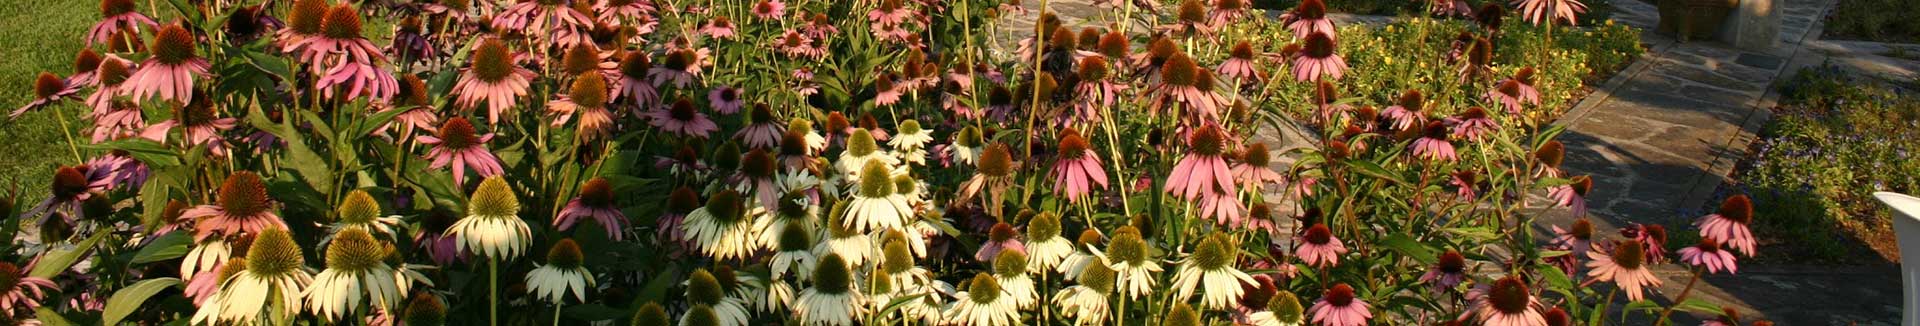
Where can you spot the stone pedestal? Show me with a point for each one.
(1754, 25)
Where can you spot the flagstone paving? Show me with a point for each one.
(1663, 134)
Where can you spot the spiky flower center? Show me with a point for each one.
(969, 137)
(1010, 263)
(1093, 68)
(1437, 130)
(110, 8)
(1319, 234)
(1072, 145)
(1182, 315)
(1285, 307)
(651, 314)
(1738, 209)
(726, 207)
(9, 276)
(1256, 154)
(69, 182)
(898, 258)
(832, 276)
(1062, 39)
(458, 133)
(1319, 46)
(1340, 295)
(1127, 248)
(1629, 254)
(492, 61)
(875, 180)
(1551, 154)
(1509, 295)
(1524, 76)
(426, 310)
(341, 22)
(1114, 44)
(682, 201)
(590, 90)
(580, 59)
(701, 315)
(996, 161)
(704, 289)
(112, 72)
(983, 288)
(1559, 317)
(354, 250)
(274, 253)
(1311, 9)
(243, 194)
(47, 85)
(1043, 227)
(494, 199)
(1582, 184)
(1208, 141)
(1452, 262)
(307, 16)
(1481, 53)
(794, 237)
(635, 64)
(682, 110)
(359, 208)
(680, 60)
(1193, 12)
(1179, 70)
(1215, 253)
(1510, 88)
(758, 164)
(172, 45)
(1088, 237)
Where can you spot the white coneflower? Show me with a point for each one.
(404, 274)
(1282, 310)
(796, 206)
(1010, 269)
(360, 210)
(853, 247)
(562, 274)
(861, 149)
(897, 263)
(704, 289)
(1181, 315)
(966, 145)
(1211, 265)
(832, 300)
(1082, 255)
(877, 206)
(909, 189)
(424, 309)
(1127, 256)
(493, 227)
(1086, 302)
(723, 229)
(779, 296)
(269, 288)
(651, 314)
(356, 267)
(983, 304)
(814, 141)
(931, 305)
(794, 256)
(1045, 247)
(911, 143)
(206, 259)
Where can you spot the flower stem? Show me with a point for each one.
(493, 292)
(1679, 299)
(68, 133)
(556, 311)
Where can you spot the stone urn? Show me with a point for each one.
(1693, 19)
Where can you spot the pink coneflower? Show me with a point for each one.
(72, 187)
(344, 59)
(1708, 254)
(596, 202)
(1654, 236)
(1548, 157)
(1183, 82)
(1190, 19)
(681, 202)
(1406, 112)
(1625, 265)
(414, 98)
(682, 118)
(634, 85)
(1447, 273)
(1514, 92)
(1255, 169)
(769, 9)
(540, 16)
(797, 44)
(1203, 171)
(1077, 170)
(1466, 184)
(1339, 307)
(619, 12)
(1479, 54)
(411, 43)
(1473, 124)
(1433, 145)
(1730, 223)
(890, 13)
(20, 293)
(242, 207)
(719, 27)
(993, 174)
(1319, 248)
(1308, 18)
(493, 78)
(725, 99)
(756, 174)
(441, 247)
(169, 73)
(200, 122)
(762, 129)
(1001, 237)
(1577, 238)
(1317, 60)
(1225, 12)
(1457, 8)
(458, 144)
(47, 90)
(1240, 63)
(1573, 195)
(1095, 91)
(108, 76)
(117, 16)
(1540, 11)
(681, 67)
(1506, 302)
(588, 98)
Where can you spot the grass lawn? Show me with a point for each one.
(42, 35)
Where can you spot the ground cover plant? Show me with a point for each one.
(825, 163)
(1873, 20)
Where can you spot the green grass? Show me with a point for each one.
(41, 35)
(1875, 20)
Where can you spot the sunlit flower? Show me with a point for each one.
(562, 274)
(1086, 302)
(269, 289)
(833, 299)
(1516, 92)
(1255, 169)
(356, 273)
(1447, 273)
(1203, 174)
(1076, 170)
(1506, 302)
(540, 17)
(1540, 11)
(633, 82)
(1045, 247)
(1730, 223)
(1577, 238)
(595, 201)
(1126, 254)
(1473, 124)
(1339, 307)
(1308, 18)
(360, 211)
(966, 145)
(1010, 271)
(459, 146)
(681, 118)
(47, 90)
(1319, 247)
(169, 73)
(793, 255)
(1211, 269)
(1466, 184)
(722, 228)
(72, 187)
(1406, 112)
(719, 28)
(344, 59)
(493, 227)
(1182, 81)
(493, 78)
(1624, 265)
(1318, 60)
(769, 9)
(992, 176)
(242, 207)
(117, 16)
(621, 12)
(984, 303)
(1433, 144)
(21, 293)
(1708, 254)
(1653, 236)
(756, 174)
(1573, 195)
(1283, 309)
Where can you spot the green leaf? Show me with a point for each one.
(1406, 245)
(1374, 169)
(270, 64)
(299, 157)
(129, 299)
(1700, 306)
(170, 246)
(48, 317)
(58, 260)
(188, 11)
(154, 154)
(1481, 233)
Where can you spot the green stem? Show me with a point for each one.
(493, 292)
(68, 133)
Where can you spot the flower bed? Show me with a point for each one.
(840, 163)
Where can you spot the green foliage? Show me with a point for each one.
(1874, 20)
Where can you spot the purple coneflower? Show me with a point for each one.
(441, 247)
(757, 171)
(1433, 145)
(1319, 247)
(1573, 195)
(1308, 18)
(1447, 273)
(993, 175)
(1540, 11)
(619, 12)
(588, 98)
(1506, 302)
(762, 130)
(1339, 307)
(1513, 93)
(719, 28)
(1624, 265)
(1406, 112)
(200, 122)
(1255, 169)
(1466, 184)
(1077, 170)
(681, 67)
(1473, 124)
(1182, 81)
(1654, 236)
(21, 293)
(1240, 63)
(1203, 171)
(540, 16)
(725, 100)
(72, 187)
(1001, 238)
(1708, 254)
(890, 13)
(117, 16)
(1316, 60)
(108, 77)
(797, 44)
(47, 90)
(169, 73)
(459, 145)
(493, 78)
(344, 59)
(1576, 238)
(633, 84)
(242, 207)
(1548, 158)
(1225, 12)
(596, 202)
(769, 9)
(1730, 223)
(682, 118)
(1095, 91)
